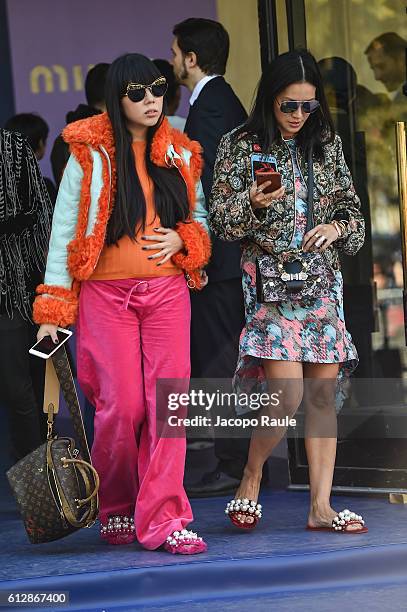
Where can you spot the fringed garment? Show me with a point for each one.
(25, 225)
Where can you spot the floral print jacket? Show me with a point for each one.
(232, 217)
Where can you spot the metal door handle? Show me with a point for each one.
(401, 150)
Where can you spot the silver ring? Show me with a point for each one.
(320, 241)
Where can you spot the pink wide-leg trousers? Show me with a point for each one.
(130, 333)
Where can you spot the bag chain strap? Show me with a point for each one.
(310, 210)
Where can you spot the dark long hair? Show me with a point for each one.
(297, 66)
(170, 194)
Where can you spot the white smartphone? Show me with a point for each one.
(46, 347)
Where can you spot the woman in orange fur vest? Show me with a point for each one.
(129, 236)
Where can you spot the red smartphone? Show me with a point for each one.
(275, 177)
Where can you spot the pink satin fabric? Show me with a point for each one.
(130, 333)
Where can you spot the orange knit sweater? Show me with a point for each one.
(127, 259)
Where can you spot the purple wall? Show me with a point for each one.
(67, 36)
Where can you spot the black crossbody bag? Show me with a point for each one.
(294, 275)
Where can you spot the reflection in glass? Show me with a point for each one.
(361, 48)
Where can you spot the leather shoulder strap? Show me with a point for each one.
(51, 389)
(64, 373)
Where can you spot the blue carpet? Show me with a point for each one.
(391, 598)
(279, 566)
(276, 562)
(279, 533)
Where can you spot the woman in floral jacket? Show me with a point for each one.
(286, 342)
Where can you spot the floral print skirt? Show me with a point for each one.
(313, 332)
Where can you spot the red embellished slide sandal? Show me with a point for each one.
(185, 542)
(341, 522)
(118, 530)
(239, 510)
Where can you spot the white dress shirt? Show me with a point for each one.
(199, 87)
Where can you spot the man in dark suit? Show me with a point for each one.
(200, 51)
(95, 98)
(386, 55)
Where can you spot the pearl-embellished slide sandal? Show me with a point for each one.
(185, 543)
(341, 522)
(238, 509)
(118, 530)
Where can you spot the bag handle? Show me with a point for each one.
(89, 517)
(82, 467)
(65, 377)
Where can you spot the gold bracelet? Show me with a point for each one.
(340, 226)
(344, 226)
(337, 227)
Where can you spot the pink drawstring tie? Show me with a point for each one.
(130, 293)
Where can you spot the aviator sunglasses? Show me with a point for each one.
(290, 106)
(137, 91)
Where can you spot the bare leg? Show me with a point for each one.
(321, 440)
(287, 377)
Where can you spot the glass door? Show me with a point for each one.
(361, 51)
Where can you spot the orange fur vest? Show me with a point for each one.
(91, 144)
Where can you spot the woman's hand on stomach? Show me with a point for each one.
(320, 237)
(167, 242)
